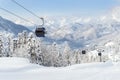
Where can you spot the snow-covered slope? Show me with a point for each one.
(20, 69)
(7, 26)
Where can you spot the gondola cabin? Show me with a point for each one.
(99, 54)
(40, 32)
(83, 52)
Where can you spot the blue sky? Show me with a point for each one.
(59, 7)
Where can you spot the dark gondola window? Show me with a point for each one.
(83, 52)
(40, 32)
(99, 54)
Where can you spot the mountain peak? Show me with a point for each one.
(116, 13)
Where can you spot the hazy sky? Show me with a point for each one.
(59, 7)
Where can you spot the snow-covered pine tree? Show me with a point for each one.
(8, 52)
(54, 54)
(60, 60)
(25, 37)
(1, 48)
(14, 47)
(19, 40)
(32, 52)
(67, 54)
(77, 57)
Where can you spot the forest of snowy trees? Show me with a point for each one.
(29, 46)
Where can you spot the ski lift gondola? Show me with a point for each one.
(83, 51)
(40, 31)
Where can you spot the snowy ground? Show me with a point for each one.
(21, 69)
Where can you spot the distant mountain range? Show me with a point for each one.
(7, 26)
(71, 30)
(81, 32)
(76, 31)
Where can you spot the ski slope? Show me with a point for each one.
(20, 69)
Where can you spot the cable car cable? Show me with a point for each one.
(40, 32)
(16, 15)
(26, 9)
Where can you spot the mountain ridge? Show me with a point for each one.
(11, 27)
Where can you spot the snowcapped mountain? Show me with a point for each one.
(76, 31)
(79, 31)
(7, 26)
